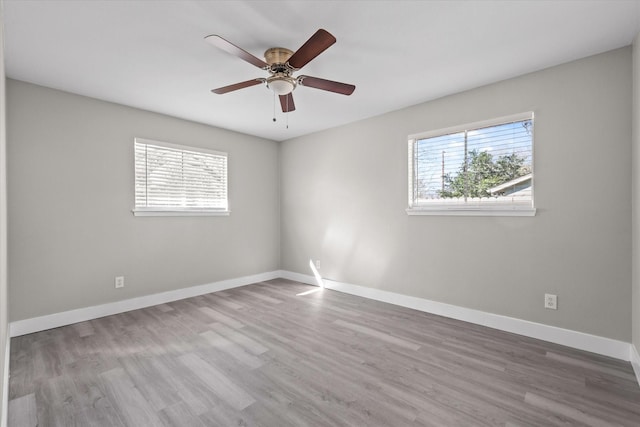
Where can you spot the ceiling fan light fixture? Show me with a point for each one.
(281, 85)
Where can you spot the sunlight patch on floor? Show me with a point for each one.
(312, 291)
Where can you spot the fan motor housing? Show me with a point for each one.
(277, 55)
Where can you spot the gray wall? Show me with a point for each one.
(71, 230)
(344, 192)
(635, 255)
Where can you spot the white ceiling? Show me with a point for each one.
(152, 54)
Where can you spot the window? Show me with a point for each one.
(477, 169)
(178, 180)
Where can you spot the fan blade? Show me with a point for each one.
(318, 43)
(229, 47)
(329, 85)
(286, 102)
(241, 85)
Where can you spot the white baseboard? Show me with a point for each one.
(635, 361)
(4, 414)
(298, 277)
(593, 343)
(36, 324)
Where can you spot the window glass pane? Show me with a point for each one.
(482, 166)
(435, 159)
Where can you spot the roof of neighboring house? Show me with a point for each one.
(511, 183)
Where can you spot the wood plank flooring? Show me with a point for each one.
(281, 353)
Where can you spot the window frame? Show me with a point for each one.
(454, 207)
(175, 210)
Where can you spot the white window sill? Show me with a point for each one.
(462, 211)
(167, 212)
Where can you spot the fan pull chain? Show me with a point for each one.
(287, 112)
(274, 106)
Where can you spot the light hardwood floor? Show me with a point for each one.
(282, 353)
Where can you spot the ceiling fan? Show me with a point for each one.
(282, 63)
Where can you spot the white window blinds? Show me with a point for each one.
(177, 178)
(486, 165)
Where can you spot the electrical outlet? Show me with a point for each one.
(318, 264)
(119, 282)
(551, 301)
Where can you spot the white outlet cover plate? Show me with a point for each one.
(551, 301)
(119, 282)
